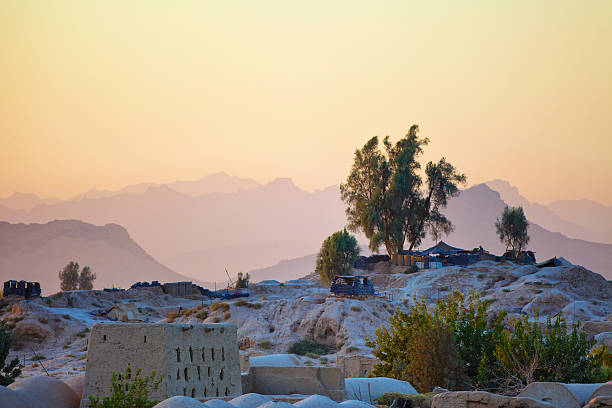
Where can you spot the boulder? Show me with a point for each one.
(316, 401)
(560, 394)
(217, 403)
(45, 392)
(355, 404)
(600, 402)
(368, 389)
(77, 383)
(604, 339)
(30, 331)
(481, 399)
(180, 402)
(250, 400)
(604, 390)
(10, 399)
(594, 328)
(547, 303)
(278, 404)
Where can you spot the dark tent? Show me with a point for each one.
(442, 248)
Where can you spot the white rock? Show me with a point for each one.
(45, 392)
(217, 403)
(278, 404)
(368, 389)
(355, 404)
(251, 400)
(317, 401)
(180, 402)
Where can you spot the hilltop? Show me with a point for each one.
(37, 252)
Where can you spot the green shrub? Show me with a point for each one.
(38, 357)
(337, 254)
(306, 346)
(128, 392)
(406, 400)
(530, 352)
(43, 320)
(8, 372)
(355, 309)
(202, 314)
(227, 315)
(266, 345)
(411, 269)
(65, 316)
(466, 318)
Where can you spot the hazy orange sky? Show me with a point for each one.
(109, 93)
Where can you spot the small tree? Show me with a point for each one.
(69, 276)
(86, 278)
(242, 282)
(10, 371)
(337, 255)
(128, 392)
(512, 229)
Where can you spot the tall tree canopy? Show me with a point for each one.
(390, 200)
(337, 255)
(512, 229)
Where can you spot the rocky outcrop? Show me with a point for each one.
(481, 399)
(600, 402)
(39, 392)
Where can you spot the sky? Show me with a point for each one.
(109, 93)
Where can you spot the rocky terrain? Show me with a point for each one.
(52, 332)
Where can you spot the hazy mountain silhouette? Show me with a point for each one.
(198, 236)
(25, 201)
(256, 227)
(37, 252)
(590, 214)
(220, 182)
(473, 214)
(581, 219)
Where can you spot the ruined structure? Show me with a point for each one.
(179, 288)
(198, 361)
(21, 288)
(356, 366)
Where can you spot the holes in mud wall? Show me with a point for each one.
(145, 339)
(221, 374)
(191, 354)
(193, 393)
(184, 392)
(227, 392)
(198, 373)
(212, 354)
(104, 338)
(186, 374)
(222, 353)
(178, 355)
(205, 392)
(178, 373)
(209, 371)
(217, 391)
(203, 354)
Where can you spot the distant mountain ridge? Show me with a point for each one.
(253, 228)
(37, 252)
(581, 219)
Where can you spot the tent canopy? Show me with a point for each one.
(442, 248)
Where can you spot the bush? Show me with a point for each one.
(202, 314)
(465, 317)
(242, 282)
(227, 315)
(411, 269)
(222, 306)
(266, 345)
(306, 346)
(336, 257)
(530, 353)
(128, 392)
(406, 400)
(38, 357)
(8, 372)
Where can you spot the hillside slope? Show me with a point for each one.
(36, 252)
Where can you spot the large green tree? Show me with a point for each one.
(390, 200)
(69, 276)
(336, 257)
(512, 229)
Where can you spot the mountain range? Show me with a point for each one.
(37, 252)
(242, 225)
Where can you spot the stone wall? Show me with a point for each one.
(356, 366)
(194, 360)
